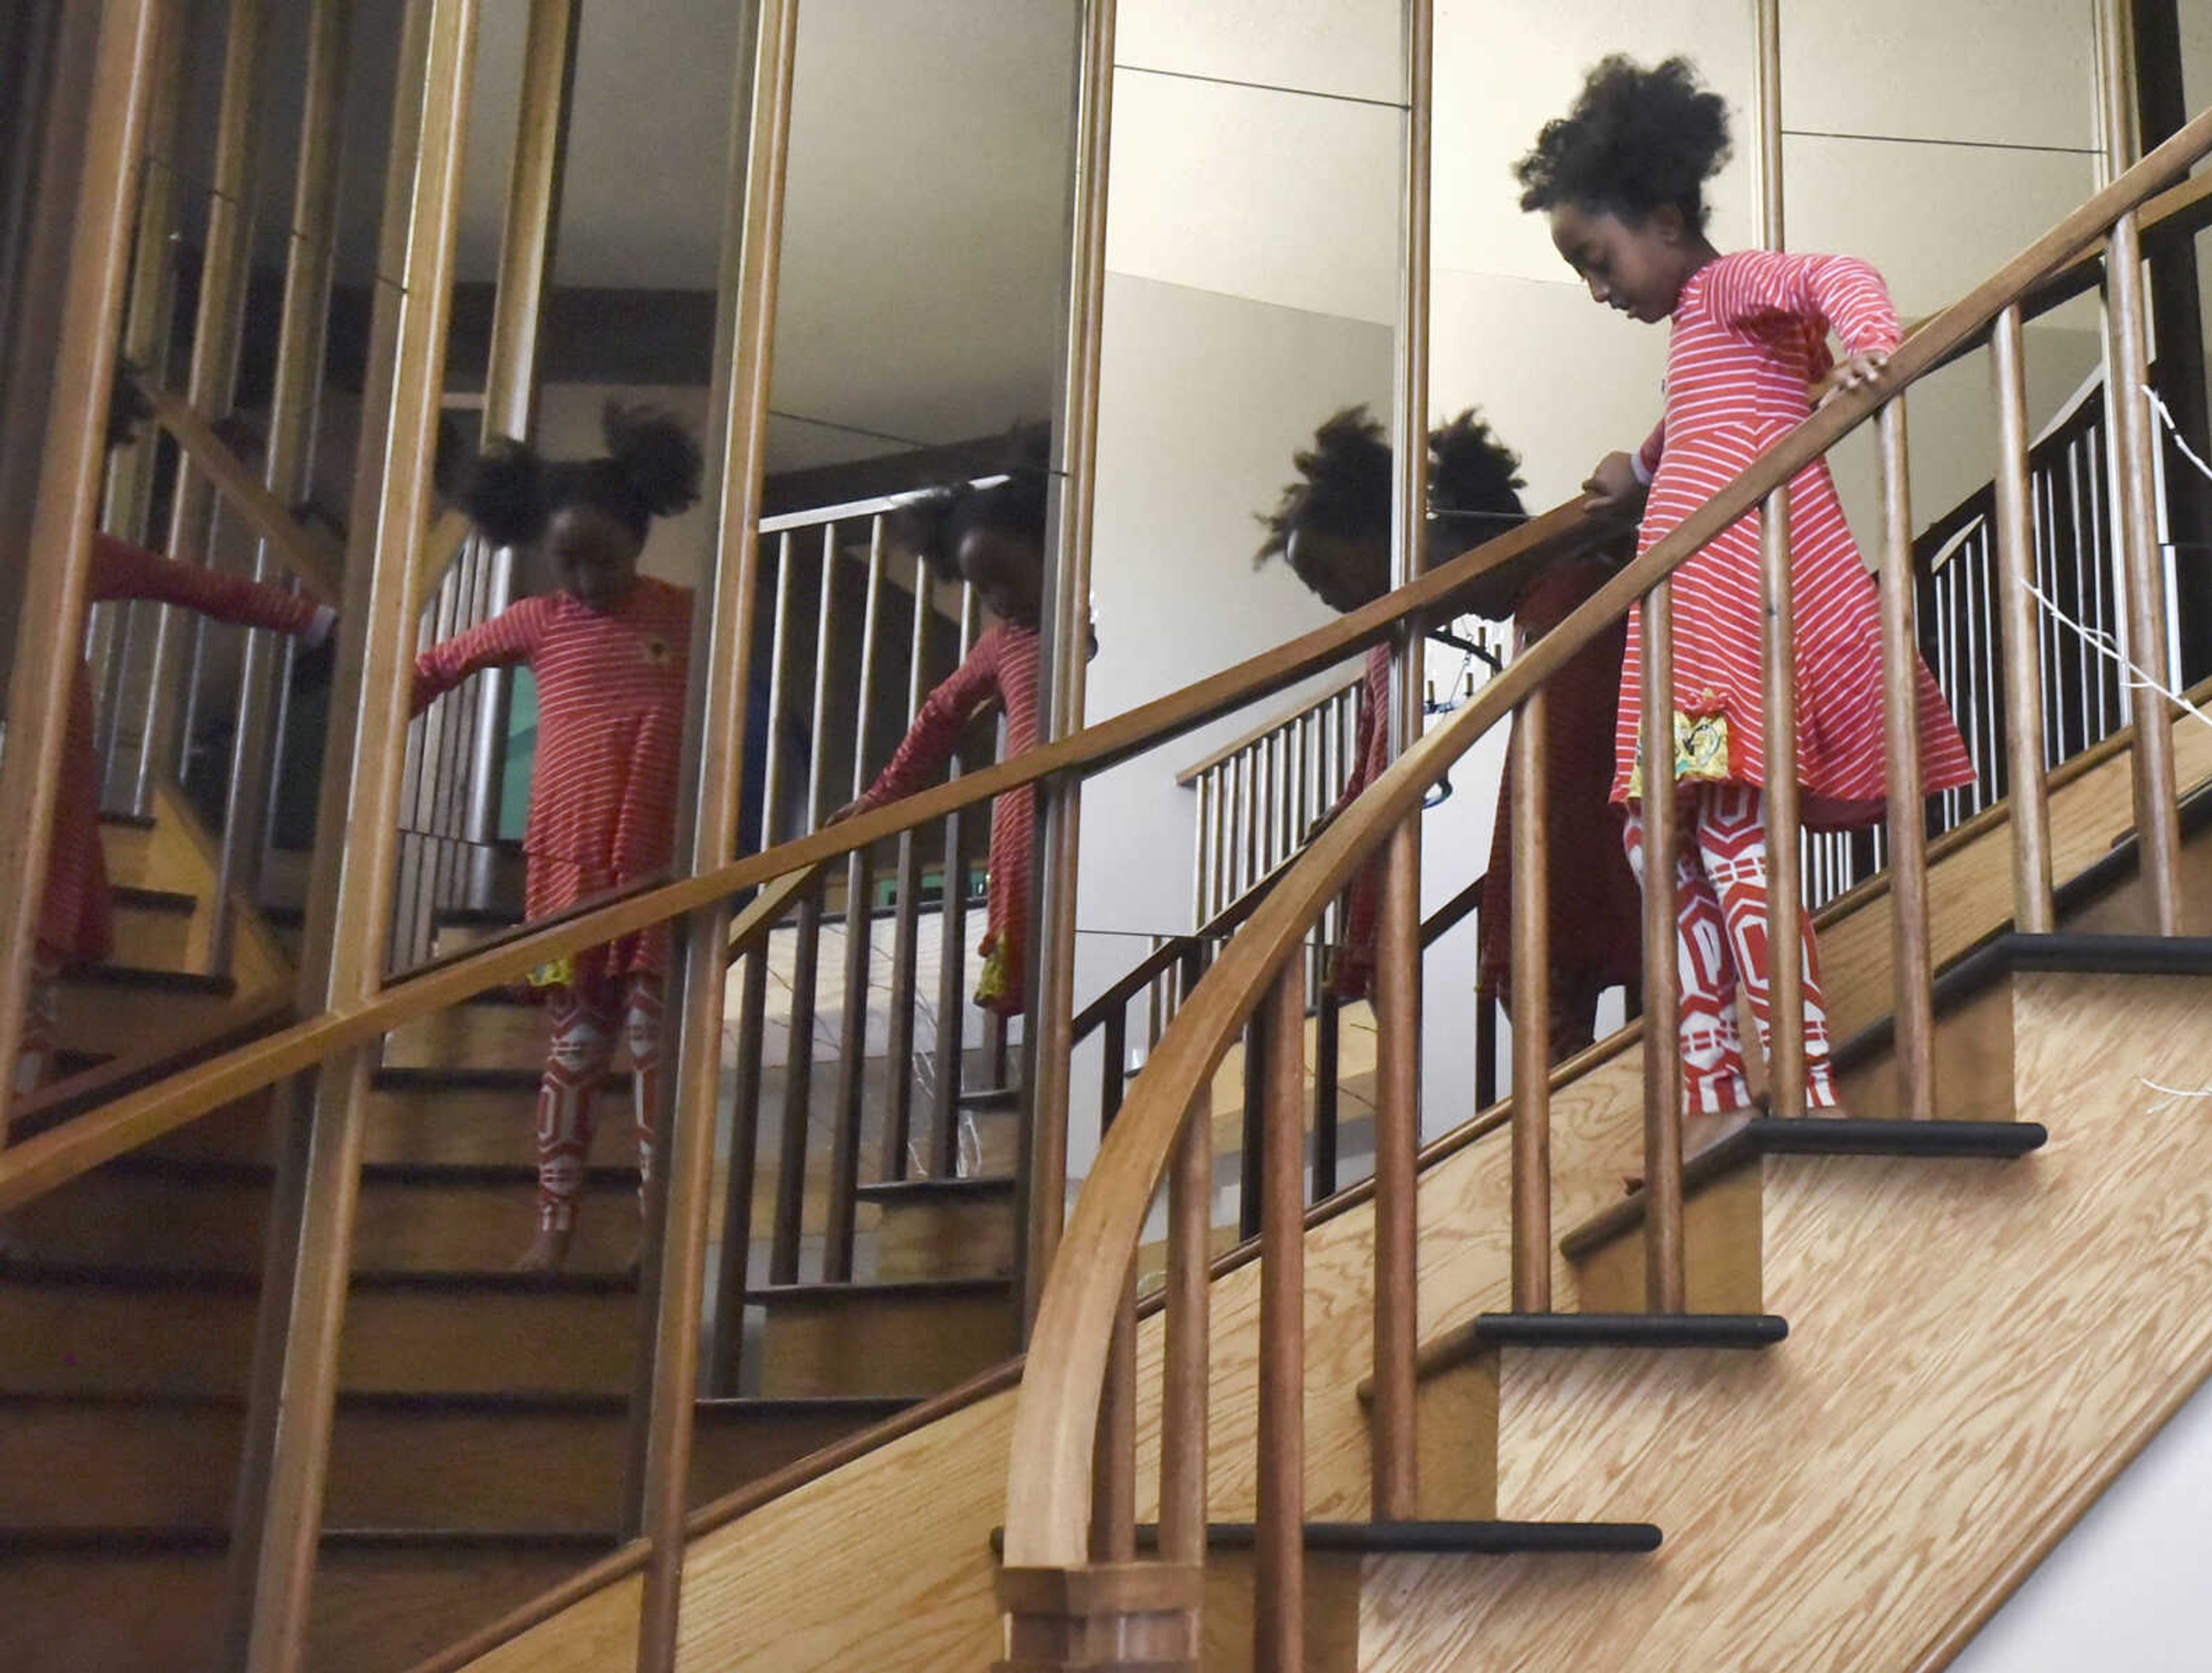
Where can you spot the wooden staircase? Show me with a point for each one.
(483, 1429)
(1959, 1335)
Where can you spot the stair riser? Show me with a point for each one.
(494, 1036)
(882, 1345)
(946, 1240)
(78, 1338)
(108, 1021)
(147, 1221)
(156, 940)
(374, 1612)
(106, 1465)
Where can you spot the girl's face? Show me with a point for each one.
(1007, 573)
(594, 554)
(1344, 573)
(1638, 270)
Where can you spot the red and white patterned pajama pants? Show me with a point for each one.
(1720, 914)
(586, 1026)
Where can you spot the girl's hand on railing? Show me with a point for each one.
(1613, 489)
(1855, 372)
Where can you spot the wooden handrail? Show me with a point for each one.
(90, 1140)
(1055, 1423)
(1189, 775)
(312, 557)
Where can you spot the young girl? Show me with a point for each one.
(610, 651)
(1622, 178)
(1333, 528)
(76, 922)
(993, 537)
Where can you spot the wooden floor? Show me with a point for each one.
(885, 1564)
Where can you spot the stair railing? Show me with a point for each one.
(1068, 1578)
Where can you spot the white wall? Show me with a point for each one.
(2126, 1589)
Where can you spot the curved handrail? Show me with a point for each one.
(1048, 1492)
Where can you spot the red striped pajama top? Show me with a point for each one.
(1749, 340)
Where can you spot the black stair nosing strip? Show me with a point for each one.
(991, 1098)
(191, 1539)
(415, 1077)
(1823, 1135)
(145, 979)
(837, 1295)
(2110, 955)
(59, 1274)
(439, 1403)
(887, 1191)
(478, 918)
(173, 902)
(1467, 1538)
(196, 1171)
(858, 1407)
(127, 821)
(1747, 1330)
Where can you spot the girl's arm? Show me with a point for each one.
(120, 569)
(937, 727)
(508, 638)
(1647, 456)
(1840, 291)
(1369, 739)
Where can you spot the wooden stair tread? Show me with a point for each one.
(119, 1541)
(897, 1289)
(1415, 1538)
(983, 1188)
(721, 1408)
(140, 979)
(170, 900)
(71, 1275)
(430, 1079)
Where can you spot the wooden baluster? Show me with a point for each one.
(860, 946)
(2020, 633)
(1278, 1577)
(211, 381)
(906, 937)
(1532, 983)
(1255, 1140)
(1908, 829)
(1114, 1491)
(1785, 934)
(2135, 444)
(952, 963)
(1328, 1013)
(383, 628)
(1183, 1388)
(1200, 827)
(806, 959)
(1397, 1185)
(1665, 1283)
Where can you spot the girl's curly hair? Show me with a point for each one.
(1475, 479)
(651, 469)
(1343, 487)
(932, 525)
(1637, 139)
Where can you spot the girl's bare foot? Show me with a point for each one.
(547, 1252)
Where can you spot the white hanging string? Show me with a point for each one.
(2102, 642)
(2171, 1096)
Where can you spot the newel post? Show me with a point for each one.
(1136, 1617)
